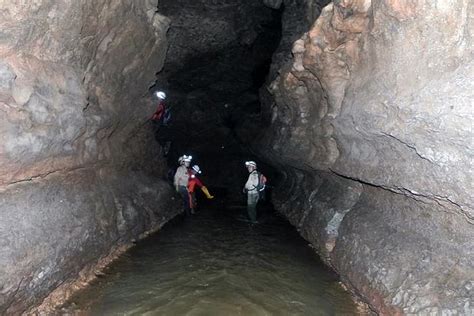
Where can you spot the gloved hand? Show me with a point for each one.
(206, 193)
(177, 188)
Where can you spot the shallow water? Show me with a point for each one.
(216, 264)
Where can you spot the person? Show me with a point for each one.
(194, 182)
(181, 179)
(159, 114)
(161, 118)
(251, 188)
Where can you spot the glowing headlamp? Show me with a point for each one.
(187, 158)
(251, 163)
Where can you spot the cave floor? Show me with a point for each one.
(215, 263)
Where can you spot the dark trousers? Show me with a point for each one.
(192, 202)
(183, 191)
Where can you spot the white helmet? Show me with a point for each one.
(196, 169)
(251, 163)
(187, 158)
(160, 94)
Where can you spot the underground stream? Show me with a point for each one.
(216, 263)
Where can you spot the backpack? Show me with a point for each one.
(262, 181)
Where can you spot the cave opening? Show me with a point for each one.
(213, 76)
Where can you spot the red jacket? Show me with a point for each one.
(160, 110)
(193, 182)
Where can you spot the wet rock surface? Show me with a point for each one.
(72, 80)
(77, 218)
(371, 123)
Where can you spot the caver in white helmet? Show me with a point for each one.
(196, 169)
(160, 94)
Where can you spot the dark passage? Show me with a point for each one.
(219, 57)
(215, 264)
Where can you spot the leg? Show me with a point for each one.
(166, 148)
(156, 130)
(192, 202)
(183, 191)
(252, 200)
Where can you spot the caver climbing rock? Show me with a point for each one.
(160, 120)
(192, 183)
(162, 114)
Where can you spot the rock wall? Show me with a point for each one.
(74, 78)
(371, 125)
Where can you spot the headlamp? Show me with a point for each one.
(187, 158)
(251, 163)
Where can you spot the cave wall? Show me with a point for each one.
(74, 80)
(371, 125)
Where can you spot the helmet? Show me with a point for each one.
(251, 163)
(160, 94)
(196, 169)
(187, 158)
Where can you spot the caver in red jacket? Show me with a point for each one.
(160, 110)
(194, 182)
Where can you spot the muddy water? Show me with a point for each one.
(216, 264)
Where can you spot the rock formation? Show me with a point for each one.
(74, 78)
(371, 123)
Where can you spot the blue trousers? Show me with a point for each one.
(183, 191)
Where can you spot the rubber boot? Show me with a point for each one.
(206, 193)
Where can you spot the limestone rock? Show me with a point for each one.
(73, 76)
(374, 113)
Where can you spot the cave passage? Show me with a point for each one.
(358, 112)
(215, 264)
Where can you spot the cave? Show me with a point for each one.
(359, 112)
